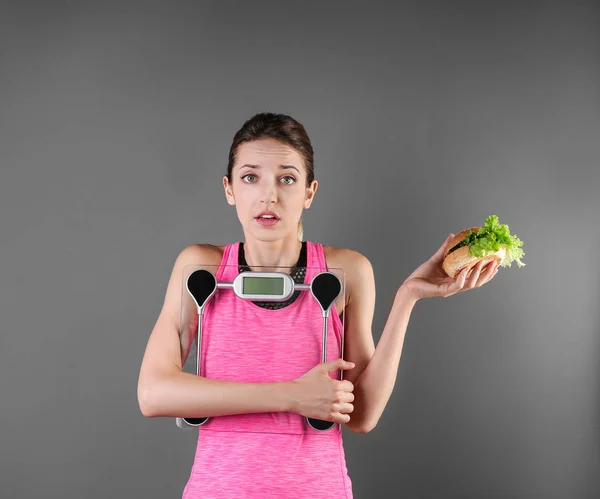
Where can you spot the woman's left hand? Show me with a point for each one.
(430, 280)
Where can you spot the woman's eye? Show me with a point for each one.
(292, 179)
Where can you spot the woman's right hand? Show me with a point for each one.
(317, 395)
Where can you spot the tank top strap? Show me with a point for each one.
(315, 256)
(227, 271)
(316, 261)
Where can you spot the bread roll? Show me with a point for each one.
(459, 259)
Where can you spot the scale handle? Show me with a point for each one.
(197, 421)
(319, 424)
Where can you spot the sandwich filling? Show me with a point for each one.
(489, 239)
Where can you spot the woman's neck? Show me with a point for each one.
(270, 254)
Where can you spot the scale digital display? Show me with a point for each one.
(263, 285)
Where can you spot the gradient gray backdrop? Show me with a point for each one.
(115, 125)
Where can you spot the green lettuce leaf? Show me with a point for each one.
(489, 239)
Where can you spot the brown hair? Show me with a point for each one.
(283, 128)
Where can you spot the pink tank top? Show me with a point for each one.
(275, 455)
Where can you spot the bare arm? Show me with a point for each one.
(187, 395)
(165, 390)
(376, 368)
(375, 385)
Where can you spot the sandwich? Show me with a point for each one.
(491, 242)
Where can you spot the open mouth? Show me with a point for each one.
(267, 220)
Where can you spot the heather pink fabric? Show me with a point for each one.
(273, 455)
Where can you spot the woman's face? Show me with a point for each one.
(269, 175)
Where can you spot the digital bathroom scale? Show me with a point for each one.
(312, 316)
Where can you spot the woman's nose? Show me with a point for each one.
(269, 195)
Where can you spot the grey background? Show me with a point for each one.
(115, 123)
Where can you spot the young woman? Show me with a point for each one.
(259, 445)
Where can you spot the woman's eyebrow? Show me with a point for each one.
(284, 167)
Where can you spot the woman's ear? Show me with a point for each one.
(228, 191)
(310, 194)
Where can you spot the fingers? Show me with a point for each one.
(343, 408)
(335, 365)
(340, 418)
(439, 254)
(489, 273)
(345, 397)
(345, 385)
(474, 277)
(478, 276)
(340, 411)
(460, 280)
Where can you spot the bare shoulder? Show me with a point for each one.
(344, 258)
(356, 266)
(201, 253)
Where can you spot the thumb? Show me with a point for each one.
(334, 365)
(439, 254)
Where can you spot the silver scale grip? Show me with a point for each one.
(202, 284)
